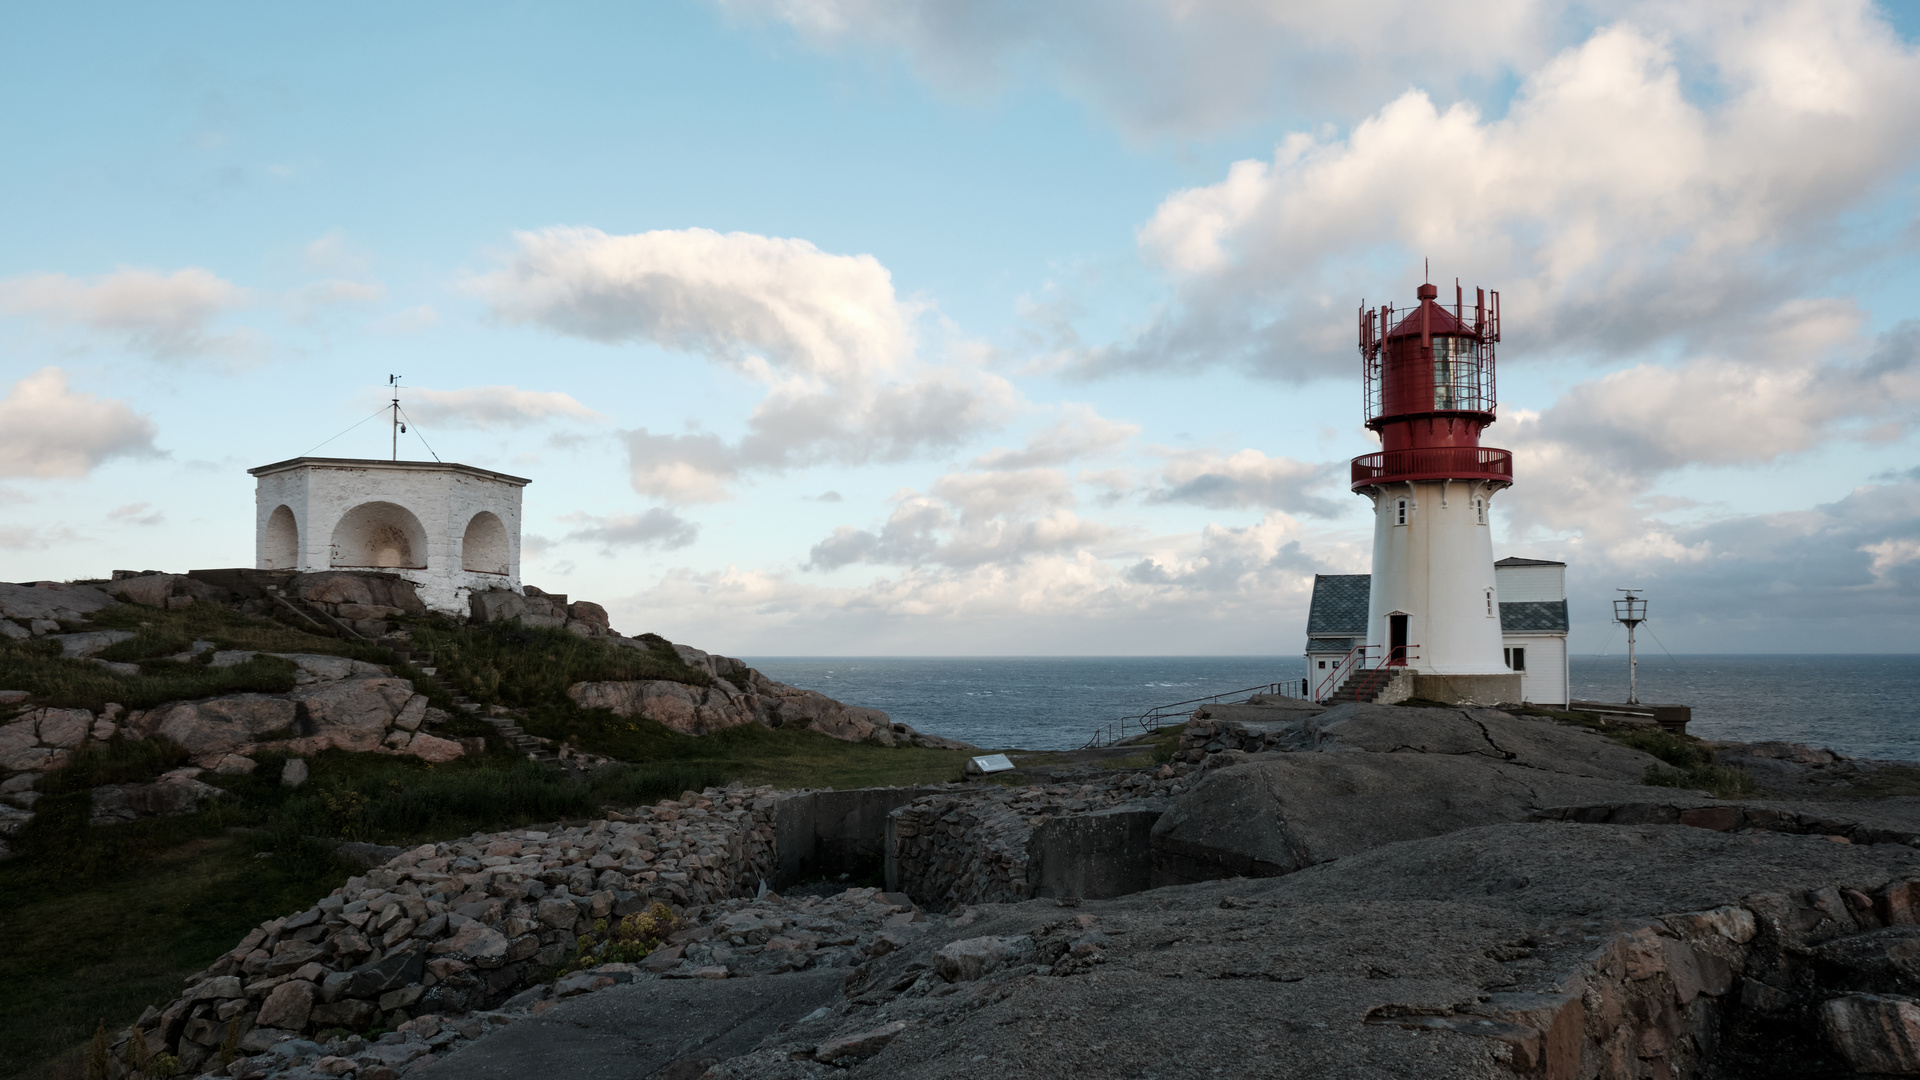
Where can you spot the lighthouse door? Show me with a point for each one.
(1396, 641)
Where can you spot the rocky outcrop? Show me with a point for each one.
(740, 695)
(40, 607)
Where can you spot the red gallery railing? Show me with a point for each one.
(1434, 463)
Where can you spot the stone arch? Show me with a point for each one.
(380, 534)
(484, 549)
(281, 547)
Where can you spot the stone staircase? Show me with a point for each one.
(503, 725)
(1362, 684)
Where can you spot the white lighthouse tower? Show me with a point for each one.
(1433, 609)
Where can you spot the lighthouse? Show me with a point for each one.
(1433, 618)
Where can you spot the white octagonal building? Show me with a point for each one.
(450, 529)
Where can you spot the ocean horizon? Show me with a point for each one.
(1859, 705)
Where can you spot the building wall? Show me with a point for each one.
(1517, 583)
(1544, 682)
(443, 501)
(1438, 570)
(1324, 681)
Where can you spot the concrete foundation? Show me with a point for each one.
(827, 833)
(1094, 856)
(1463, 689)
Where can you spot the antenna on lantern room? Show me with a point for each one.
(1631, 610)
(398, 427)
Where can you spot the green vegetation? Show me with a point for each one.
(627, 941)
(518, 666)
(1721, 781)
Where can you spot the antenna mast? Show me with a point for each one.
(1631, 610)
(394, 382)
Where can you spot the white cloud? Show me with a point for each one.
(1244, 478)
(167, 315)
(1078, 433)
(760, 303)
(824, 333)
(489, 407)
(47, 430)
(137, 514)
(656, 528)
(34, 538)
(1626, 197)
(970, 519)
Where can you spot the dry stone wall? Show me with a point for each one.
(458, 926)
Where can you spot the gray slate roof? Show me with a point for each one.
(1515, 560)
(1339, 605)
(1330, 644)
(1533, 616)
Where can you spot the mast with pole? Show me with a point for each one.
(1631, 610)
(398, 427)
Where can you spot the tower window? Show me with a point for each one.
(1400, 512)
(1489, 603)
(1480, 510)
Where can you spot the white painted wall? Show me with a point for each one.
(442, 500)
(1545, 680)
(1518, 583)
(1438, 570)
(1323, 681)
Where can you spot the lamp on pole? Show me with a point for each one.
(1631, 610)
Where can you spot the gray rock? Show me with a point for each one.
(288, 1006)
(46, 601)
(11, 629)
(646, 1028)
(390, 972)
(861, 1044)
(970, 958)
(147, 590)
(294, 772)
(124, 670)
(1875, 1034)
(84, 645)
(497, 605)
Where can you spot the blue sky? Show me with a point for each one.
(839, 326)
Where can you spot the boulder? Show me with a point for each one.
(860, 1045)
(147, 590)
(1876, 1034)
(319, 667)
(288, 1006)
(435, 750)
(350, 714)
(776, 704)
(588, 612)
(211, 729)
(496, 605)
(11, 629)
(293, 773)
(82, 646)
(689, 710)
(47, 601)
(1277, 813)
(331, 587)
(970, 958)
(64, 728)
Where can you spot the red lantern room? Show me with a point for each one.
(1429, 391)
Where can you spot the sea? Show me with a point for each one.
(1859, 706)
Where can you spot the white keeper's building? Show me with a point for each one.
(450, 529)
(1531, 597)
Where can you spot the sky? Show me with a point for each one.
(908, 327)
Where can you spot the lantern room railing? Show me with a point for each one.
(1434, 463)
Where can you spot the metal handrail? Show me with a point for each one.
(1434, 462)
(1380, 671)
(1113, 731)
(1343, 668)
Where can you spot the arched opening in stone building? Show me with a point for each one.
(380, 534)
(281, 550)
(484, 548)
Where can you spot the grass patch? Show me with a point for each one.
(77, 684)
(1723, 781)
(1680, 751)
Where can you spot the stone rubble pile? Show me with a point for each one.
(455, 927)
(970, 845)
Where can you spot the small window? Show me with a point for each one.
(1507, 656)
(1480, 510)
(1489, 603)
(1400, 512)
(1323, 665)
(1517, 659)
